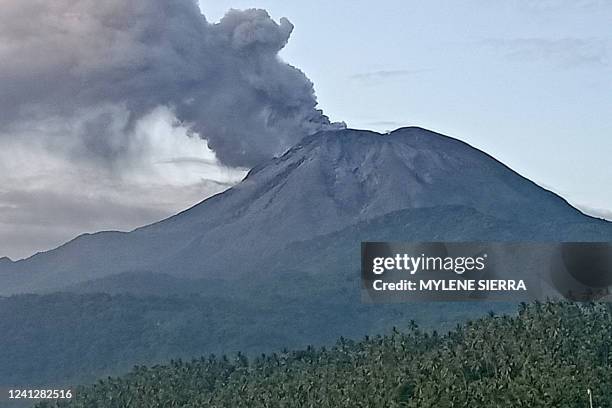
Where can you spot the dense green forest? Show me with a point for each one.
(67, 338)
(546, 355)
(306, 293)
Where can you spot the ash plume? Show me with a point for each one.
(68, 59)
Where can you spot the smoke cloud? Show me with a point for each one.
(94, 69)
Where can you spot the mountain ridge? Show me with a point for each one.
(273, 262)
(325, 183)
(307, 140)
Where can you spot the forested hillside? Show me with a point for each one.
(67, 338)
(547, 355)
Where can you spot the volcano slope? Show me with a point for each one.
(272, 262)
(328, 182)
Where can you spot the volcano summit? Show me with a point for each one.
(330, 182)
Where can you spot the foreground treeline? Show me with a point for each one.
(548, 355)
(67, 338)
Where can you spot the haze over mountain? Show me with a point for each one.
(328, 182)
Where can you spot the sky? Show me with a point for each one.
(527, 81)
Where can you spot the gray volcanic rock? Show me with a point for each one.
(328, 182)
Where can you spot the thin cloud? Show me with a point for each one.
(48, 197)
(39, 219)
(564, 52)
(387, 74)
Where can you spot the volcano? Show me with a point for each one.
(340, 183)
(273, 262)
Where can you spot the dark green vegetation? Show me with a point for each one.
(67, 338)
(548, 355)
(273, 262)
(307, 293)
(290, 299)
(270, 263)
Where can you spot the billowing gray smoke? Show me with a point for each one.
(225, 81)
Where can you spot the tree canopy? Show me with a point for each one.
(546, 355)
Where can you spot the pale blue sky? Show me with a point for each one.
(529, 81)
